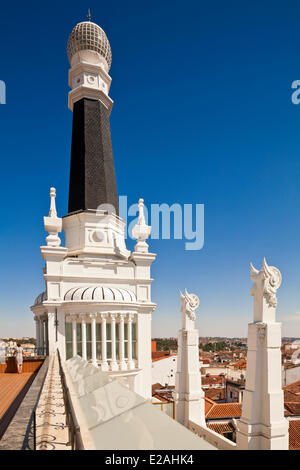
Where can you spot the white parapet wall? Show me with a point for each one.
(111, 416)
(164, 371)
(211, 437)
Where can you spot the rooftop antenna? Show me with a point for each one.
(89, 16)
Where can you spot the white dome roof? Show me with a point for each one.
(100, 293)
(40, 299)
(88, 36)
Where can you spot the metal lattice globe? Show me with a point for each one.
(89, 36)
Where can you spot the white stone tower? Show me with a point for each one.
(262, 425)
(97, 301)
(189, 396)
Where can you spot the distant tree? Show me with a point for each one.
(165, 344)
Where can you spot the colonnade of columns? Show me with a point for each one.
(112, 363)
(41, 329)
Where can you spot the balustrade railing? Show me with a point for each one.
(75, 440)
(28, 352)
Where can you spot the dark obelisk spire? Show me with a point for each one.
(92, 173)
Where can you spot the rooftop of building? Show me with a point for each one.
(162, 393)
(290, 365)
(294, 434)
(292, 408)
(241, 364)
(222, 410)
(293, 387)
(290, 397)
(158, 355)
(221, 428)
(213, 380)
(14, 388)
(215, 394)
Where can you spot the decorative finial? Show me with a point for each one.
(141, 231)
(89, 16)
(189, 303)
(53, 224)
(52, 212)
(269, 278)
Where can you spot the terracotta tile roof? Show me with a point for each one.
(161, 393)
(212, 380)
(292, 409)
(221, 428)
(242, 364)
(208, 404)
(289, 352)
(294, 387)
(294, 434)
(291, 396)
(163, 356)
(156, 386)
(159, 354)
(224, 410)
(215, 393)
(159, 358)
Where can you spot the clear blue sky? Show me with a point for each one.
(202, 114)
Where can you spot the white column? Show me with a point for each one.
(74, 335)
(114, 364)
(94, 351)
(46, 336)
(123, 365)
(42, 335)
(51, 333)
(263, 425)
(189, 396)
(61, 318)
(37, 331)
(83, 336)
(104, 364)
(131, 364)
(143, 360)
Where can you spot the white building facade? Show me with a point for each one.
(97, 302)
(164, 371)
